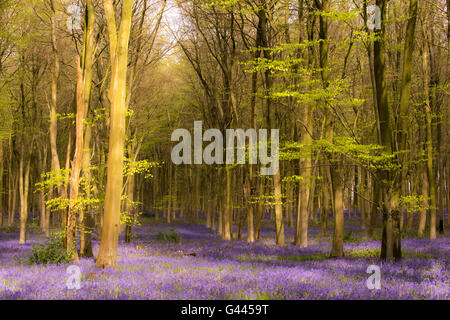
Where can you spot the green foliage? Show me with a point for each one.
(131, 167)
(348, 237)
(312, 257)
(344, 16)
(171, 236)
(363, 253)
(88, 186)
(414, 203)
(6, 119)
(51, 252)
(33, 225)
(130, 218)
(375, 253)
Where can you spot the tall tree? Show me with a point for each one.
(118, 46)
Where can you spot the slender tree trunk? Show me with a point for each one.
(302, 215)
(24, 178)
(337, 250)
(259, 213)
(305, 183)
(376, 200)
(169, 200)
(55, 165)
(390, 240)
(74, 206)
(362, 201)
(44, 221)
(12, 209)
(403, 116)
(441, 186)
(64, 192)
(429, 138)
(249, 206)
(86, 218)
(325, 200)
(227, 217)
(130, 208)
(423, 213)
(1, 184)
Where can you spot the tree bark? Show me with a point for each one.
(24, 178)
(74, 205)
(118, 42)
(429, 138)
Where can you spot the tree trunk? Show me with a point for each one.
(53, 129)
(44, 221)
(1, 184)
(423, 213)
(305, 184)
(337, 250)
(118, 42)
(429, 138)
(169, 200)
(325, 200)
(24, 178)
(248, 206)
(130, 208)
(86, 218)
(259, 213)
(227, 217)
(12, 208)
(74, 205)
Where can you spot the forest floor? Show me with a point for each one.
(202, 266)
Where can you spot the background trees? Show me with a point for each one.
(364, 129)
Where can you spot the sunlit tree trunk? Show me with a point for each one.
(118, 43)
(76, 166)
(24, 178)
(55, 165)
(429, 138)
(304, 190)
(423, 213)
(64, 192)
(86, 215)
(86, 218)
(129, 207)
(305, 184)
(44, 222)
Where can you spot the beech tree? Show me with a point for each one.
(118, 46)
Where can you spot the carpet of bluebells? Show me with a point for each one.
(202, 266)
